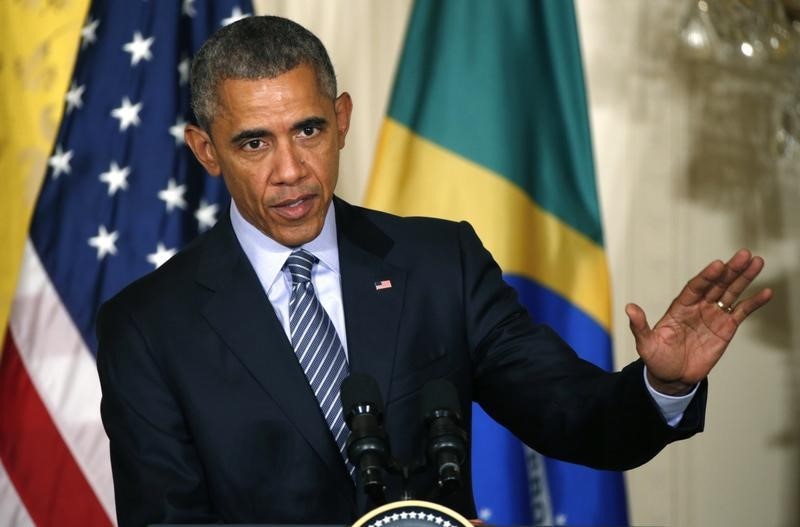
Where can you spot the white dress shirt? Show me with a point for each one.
(672, 407)
(268, 257)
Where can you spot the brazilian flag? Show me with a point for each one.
(488, 123)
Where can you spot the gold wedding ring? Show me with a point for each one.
(727, 309)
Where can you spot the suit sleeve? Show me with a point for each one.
(157, 474)
(529, 380)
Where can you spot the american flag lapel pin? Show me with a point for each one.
(383, 284)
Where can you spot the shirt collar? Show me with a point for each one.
(268, 256)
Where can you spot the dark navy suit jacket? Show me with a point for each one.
(210, 416)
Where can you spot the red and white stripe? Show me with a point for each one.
(11, 511)
(53, 449)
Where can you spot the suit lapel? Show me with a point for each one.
(372, 311)
(241, 314)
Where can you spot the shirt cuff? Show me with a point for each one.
(671, 406)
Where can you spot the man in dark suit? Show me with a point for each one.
(215, 411)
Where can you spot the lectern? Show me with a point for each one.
(408, 513)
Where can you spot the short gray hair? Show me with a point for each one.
(255, 47)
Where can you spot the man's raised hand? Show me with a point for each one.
(683, 347)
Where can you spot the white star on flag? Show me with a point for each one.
(236, 15)
(127, 113)
(89, 32)
(104, 242)
(183, 71)
(173, 195)
(176, 130)
(485, 514)
(206, 215)
(161, 255)
(188, 8)
(116, 178)
(74, 97)
(139, 48)
(59, 162)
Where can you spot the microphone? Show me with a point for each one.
(447, 441)
(367, 445)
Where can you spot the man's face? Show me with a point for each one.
(276, 143)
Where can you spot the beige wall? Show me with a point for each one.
(686, 175)
(686, 172)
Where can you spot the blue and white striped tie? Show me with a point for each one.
(317, 346)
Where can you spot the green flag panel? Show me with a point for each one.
(504, 88)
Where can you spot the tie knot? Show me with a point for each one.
(299, 264)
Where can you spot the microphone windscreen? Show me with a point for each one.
(439, 394)
(359, 389)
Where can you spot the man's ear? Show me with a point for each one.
(343, 106)
(200, 143)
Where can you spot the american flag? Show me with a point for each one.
(383, 284)
(121, 195)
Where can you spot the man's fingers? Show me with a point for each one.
(698, 287)
(748, 305)
(731, 294)
(638, 321)
(734, 268)
(722, 282)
